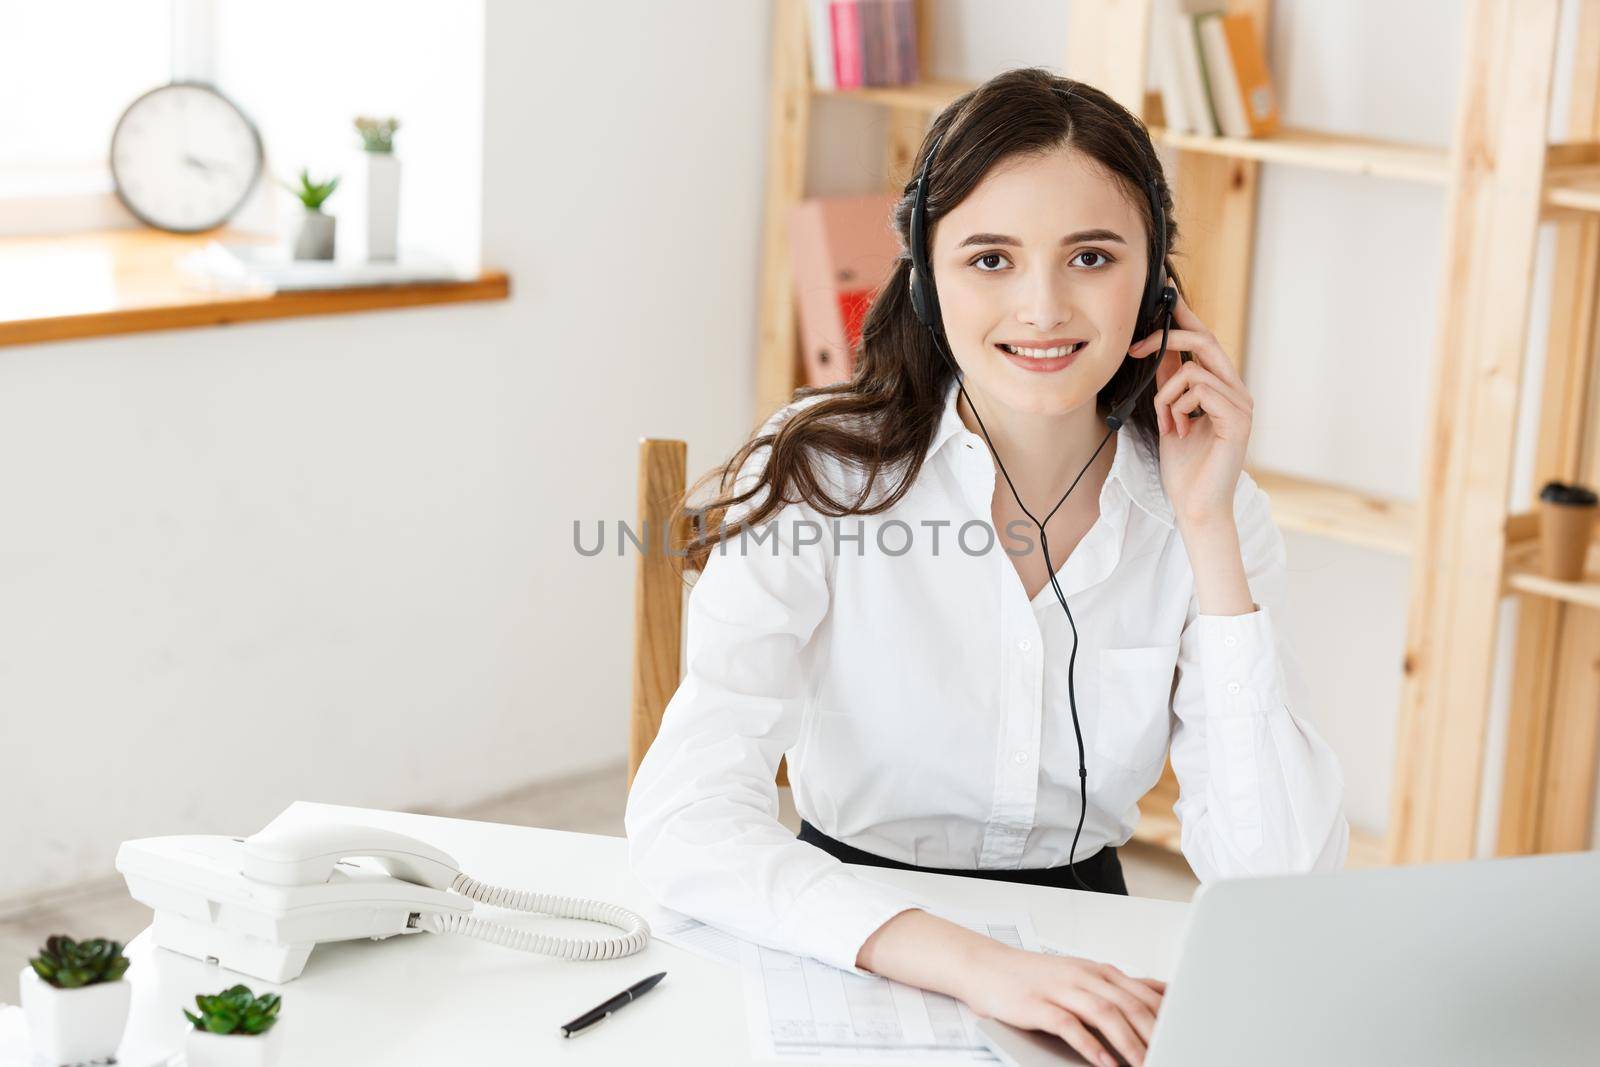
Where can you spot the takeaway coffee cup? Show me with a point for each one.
(1566, 525)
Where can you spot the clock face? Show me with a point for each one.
(184, 157)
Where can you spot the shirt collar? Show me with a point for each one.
(1135, 467)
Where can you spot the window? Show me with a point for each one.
(68, 69)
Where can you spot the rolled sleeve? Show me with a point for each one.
(1260, 792)
(1239, 659)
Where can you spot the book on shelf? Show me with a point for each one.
(1212, 73)
(854, 43)
(842, 250)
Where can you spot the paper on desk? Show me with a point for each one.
(802, 1008)
(676, 928)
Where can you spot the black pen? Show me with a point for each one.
(627, 996)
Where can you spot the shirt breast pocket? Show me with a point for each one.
(1135, 698)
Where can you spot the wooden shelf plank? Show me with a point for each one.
(1303, 148)
(927, 96)
(1332, 511)
(1573, 189)
(1158, 826)
(1522, 567)
(127, 281)
(1323, 151)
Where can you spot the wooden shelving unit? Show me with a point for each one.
(1501, 180)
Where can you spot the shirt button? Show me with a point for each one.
(1233, 687)
(1230, 640)
(1021, 757)
(1025, 644)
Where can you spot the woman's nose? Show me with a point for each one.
(1044, 302)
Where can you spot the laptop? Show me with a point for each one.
(1485, 962)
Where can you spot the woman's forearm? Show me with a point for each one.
(1219, 575)
(921, 949)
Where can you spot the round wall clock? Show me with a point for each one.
(184, 157)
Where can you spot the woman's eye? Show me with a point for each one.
(988, 263)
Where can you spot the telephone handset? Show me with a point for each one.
(258, 905)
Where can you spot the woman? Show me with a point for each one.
(874, 603)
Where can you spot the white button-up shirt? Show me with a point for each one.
(921, 698)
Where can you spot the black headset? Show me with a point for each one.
(1156, 304)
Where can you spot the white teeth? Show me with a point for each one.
(1044, 353)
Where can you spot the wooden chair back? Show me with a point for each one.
(658, 595)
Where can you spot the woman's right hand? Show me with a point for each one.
(1070, 997)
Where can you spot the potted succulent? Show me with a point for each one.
(315, 237)
(235, 1028)
(383, 185)
(76, 1000)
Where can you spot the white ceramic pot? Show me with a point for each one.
(383, 204)
(315, 238)
(74, 1025)
(204, 1049)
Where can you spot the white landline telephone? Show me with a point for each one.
(258, 905)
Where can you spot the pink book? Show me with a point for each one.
(842, 251)
(846, 43)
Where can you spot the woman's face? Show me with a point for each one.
(1044, 252)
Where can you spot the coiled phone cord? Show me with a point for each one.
(635, 936)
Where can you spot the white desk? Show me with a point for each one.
(437, 999)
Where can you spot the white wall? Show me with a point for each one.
(332, 559)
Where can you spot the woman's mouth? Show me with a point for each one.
(1042, 359)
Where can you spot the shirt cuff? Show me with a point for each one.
(1239, 661)
(839, 912)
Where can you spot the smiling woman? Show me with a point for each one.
(926, 700)
(1065, 173)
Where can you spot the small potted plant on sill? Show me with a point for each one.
(235, 1028)
(315, 237)
(383, 185)
(76, 999)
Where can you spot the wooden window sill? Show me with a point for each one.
(126, 281)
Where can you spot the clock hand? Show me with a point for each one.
(195, 161)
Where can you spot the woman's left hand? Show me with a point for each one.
(1201, 458)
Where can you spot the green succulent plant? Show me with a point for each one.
(69, 964)
(377, 135)
(312, 194)
(235, 1011)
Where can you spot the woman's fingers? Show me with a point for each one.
(1139, 1014)
(1191, 374)
(1107, 1018)
(1137, 987)
(1222, 410)
(1211, 352)
(1187, 386)
(1220, 407)
(1203, 346)
(1068, 1028)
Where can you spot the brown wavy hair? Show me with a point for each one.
(885, 416)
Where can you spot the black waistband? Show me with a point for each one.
(1101, 872)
